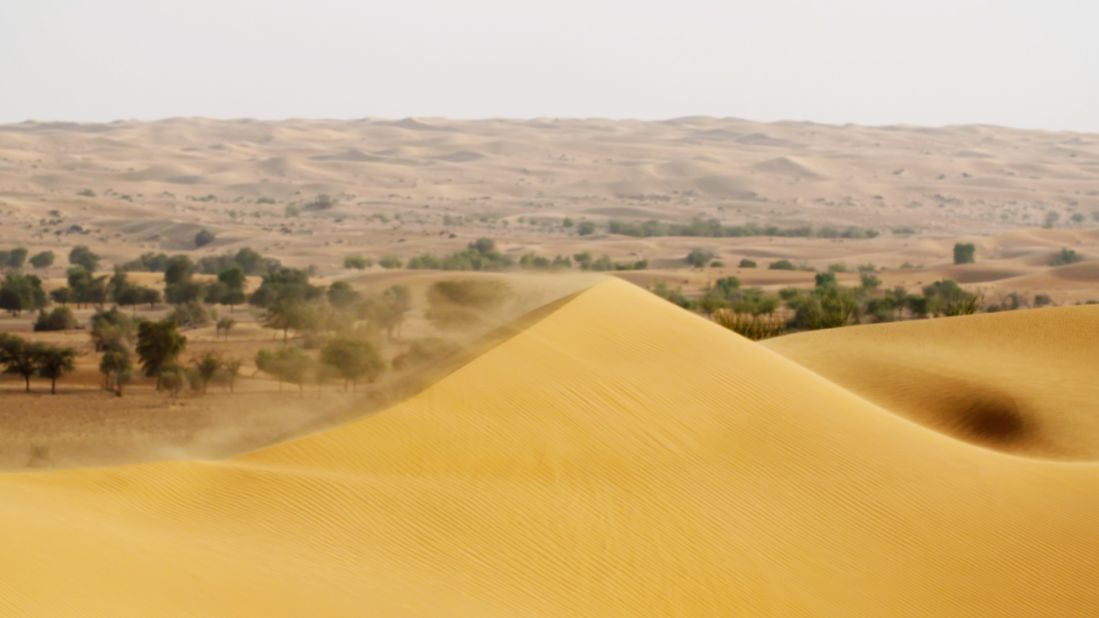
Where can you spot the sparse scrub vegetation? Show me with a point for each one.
(480, 254)
(357, 262)
(1064, 257)
(390, 261)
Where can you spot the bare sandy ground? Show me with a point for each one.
(594, 465)
(403, 187)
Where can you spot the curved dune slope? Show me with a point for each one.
(1022, 382)
(619, 457)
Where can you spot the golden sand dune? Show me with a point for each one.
(618, 457)
(1022, 382)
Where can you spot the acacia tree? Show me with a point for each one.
(55, 362)
(206, 367)
(116, 368)
(158, 344)
(19, 357)
(352, 360)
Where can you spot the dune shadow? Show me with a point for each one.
(988, 417)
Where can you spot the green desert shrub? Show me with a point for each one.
(60, 318)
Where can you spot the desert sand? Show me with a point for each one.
(403, 187)
(621, 456)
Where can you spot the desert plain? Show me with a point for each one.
(587, 448)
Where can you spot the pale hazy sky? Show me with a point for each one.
(1010, 62)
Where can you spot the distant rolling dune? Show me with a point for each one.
(624, 457)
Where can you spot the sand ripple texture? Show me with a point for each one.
(624, 457)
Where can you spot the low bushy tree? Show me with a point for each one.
(16, 258)
(965, 253)
(60, 318)
(353, 360)
(42, 260)
(357, 262)
(1065, 256)
(699, 258)
(83, 257)
(286, 364)
(204, 237)
(20, 293)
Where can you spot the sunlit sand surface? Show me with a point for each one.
(621, 456)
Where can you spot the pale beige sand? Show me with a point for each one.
(618, 457)
(405, 187)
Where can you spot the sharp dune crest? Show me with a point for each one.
(596, 465)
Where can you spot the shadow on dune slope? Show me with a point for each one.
(1021, 382)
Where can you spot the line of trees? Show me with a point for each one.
(351, 359)
(715, 229)
(483, 255)
(757, 314)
